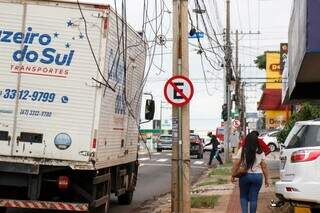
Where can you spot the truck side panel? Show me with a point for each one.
(118, 130)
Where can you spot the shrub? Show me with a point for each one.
(307, 112)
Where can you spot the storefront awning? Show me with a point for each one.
(271, 100)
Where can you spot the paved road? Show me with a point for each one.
(273, 161)
(154, 179)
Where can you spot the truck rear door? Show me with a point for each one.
(8, 81)
(48, 68)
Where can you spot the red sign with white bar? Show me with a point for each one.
(178, 90)
(235, 124)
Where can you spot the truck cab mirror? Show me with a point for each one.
(149, 111)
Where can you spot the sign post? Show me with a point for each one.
(180, 178)
(178, 91)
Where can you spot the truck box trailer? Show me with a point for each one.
(70, 93)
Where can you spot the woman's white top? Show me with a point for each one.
(256, 168)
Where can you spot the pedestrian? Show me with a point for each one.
(250, 165)
(265, 148)
(215, 149)
(234, 140)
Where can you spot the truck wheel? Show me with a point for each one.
(3, 210)
(159, 150)
(126, 198)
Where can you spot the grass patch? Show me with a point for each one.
(204, 201)
(219, 181)
(227, 164)
(221, 171)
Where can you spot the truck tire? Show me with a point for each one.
(3, 209)
(126, 198)
(159, 150)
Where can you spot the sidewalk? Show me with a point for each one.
(228, 201)
(265, 195)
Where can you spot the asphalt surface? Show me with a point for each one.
(154, 179)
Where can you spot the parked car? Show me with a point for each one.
(270, 138)
(196, 146)
(300, 165)
(164, 143)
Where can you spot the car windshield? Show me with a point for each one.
(263, 134)
(303, 136)
(274, 134)
(193, 137)
(166, 137)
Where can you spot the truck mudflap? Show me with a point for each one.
(29, 204)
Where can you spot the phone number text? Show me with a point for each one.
(39, 96)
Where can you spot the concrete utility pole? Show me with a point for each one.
(239, 90)
(228, 70)
(238, 77)
(180, 183)
(243, 107)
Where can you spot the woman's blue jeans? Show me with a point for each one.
(250, 185)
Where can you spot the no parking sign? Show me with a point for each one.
(235, 123)
(178, 90)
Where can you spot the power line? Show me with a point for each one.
(105, 83)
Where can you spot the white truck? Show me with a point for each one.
(71, 77)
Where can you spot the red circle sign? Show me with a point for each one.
(236, 123)
(178, 90)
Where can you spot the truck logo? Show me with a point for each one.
(62, 141)
(47, 55)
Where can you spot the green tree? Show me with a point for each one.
(307, 112)
(261, 61)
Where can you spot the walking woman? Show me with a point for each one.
(250, 166)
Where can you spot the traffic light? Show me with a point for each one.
(224, 113)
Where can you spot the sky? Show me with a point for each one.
(268, 17)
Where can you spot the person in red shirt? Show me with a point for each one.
(265, 148)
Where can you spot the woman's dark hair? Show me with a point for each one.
(249, 150)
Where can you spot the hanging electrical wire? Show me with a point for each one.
(205, 76)
(105, 81)
(201, 49)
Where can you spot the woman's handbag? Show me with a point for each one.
(241, 170)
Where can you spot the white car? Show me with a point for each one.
(270, 138)
(209, 147)
(300, 165)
